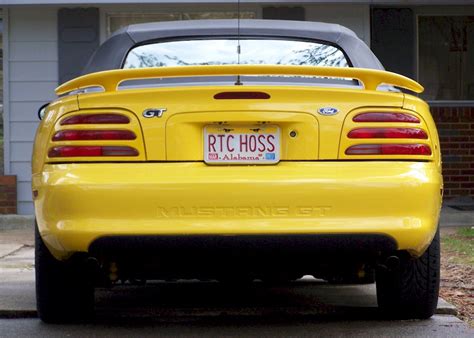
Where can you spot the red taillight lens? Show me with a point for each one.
(388, 133)
(91, 151)
(386, 117)
(96, 119)
(389, 149)
(78, 135)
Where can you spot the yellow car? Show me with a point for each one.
(271, 151)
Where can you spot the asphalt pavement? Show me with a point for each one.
(438, 326)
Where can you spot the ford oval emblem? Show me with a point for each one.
(328, 111)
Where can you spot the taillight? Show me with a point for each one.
(91, 151)
(78, 135)
(96, 119)
(386, 117)
(389, 149)
(388, 133)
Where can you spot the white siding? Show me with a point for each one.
(32, 71)
(20, 151)
(21, 111)
(26, 208)
(34, 51)
(23, 170)
(21, 131)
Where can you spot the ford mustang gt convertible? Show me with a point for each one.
(268, 151)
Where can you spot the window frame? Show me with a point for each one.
(150, 10)
(439, 11)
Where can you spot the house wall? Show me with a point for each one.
(32, 74)
(454, 119)
(355, 17)
(456, 133)
(8, 194)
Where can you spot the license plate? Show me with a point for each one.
(242, 144)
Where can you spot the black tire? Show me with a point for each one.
(64, 293)
(410, 291)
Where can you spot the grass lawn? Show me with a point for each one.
(461, 243)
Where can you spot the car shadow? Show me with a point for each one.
(184, 301)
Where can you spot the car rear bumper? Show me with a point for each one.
(78, 203)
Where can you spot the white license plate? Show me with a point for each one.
(241, 144)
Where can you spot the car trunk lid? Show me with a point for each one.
(177, 134)
(308, 119)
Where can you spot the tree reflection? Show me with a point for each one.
(223, 52)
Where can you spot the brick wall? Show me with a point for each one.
(7, 194)
(456, 132)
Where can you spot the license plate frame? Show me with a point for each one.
(262, 143)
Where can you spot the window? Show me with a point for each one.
(223, 51)
(445, 57)
(116, 21)
(1, 93)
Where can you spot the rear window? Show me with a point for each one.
(223, 51)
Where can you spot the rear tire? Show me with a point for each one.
(410, 291)
(64, 293)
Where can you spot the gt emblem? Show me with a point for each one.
(328, 111)
(153, 112)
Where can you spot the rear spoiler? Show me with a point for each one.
(110, 79)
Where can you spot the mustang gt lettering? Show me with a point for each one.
(298, 211)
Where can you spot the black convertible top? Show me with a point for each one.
(112, 53)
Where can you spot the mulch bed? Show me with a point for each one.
(457, 285)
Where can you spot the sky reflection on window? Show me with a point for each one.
(224, 52)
